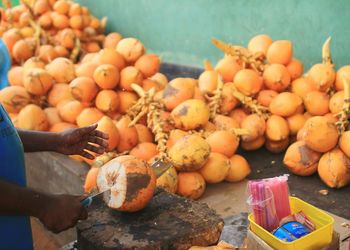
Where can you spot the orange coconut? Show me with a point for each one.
(52, 116)
(88, 117)
(107, 101)
(60, 21)
(344, 142)
(37, 81)
(144, 134)
(254, 144)
(148, 64)
(128, 76)
(228, 101)
(106, 125)
(106, 76)
(323, 75)
(128, 135)
(238, 114)
(333, 169)
(303, 86)
(228, 67)
(131, 49)
(277, 128)
(276, 77)
(90, 180)
(208, 81)
(343, 72)
(301, 160)
(70, 110)
(285, 104)
(295, 123)
(239, 169)
(248, 82)
(148, 84)
(83, 89)
(86, 69)
(280, 51)
(61, 51)
(10, 37)
(112, 39)
(145, 151)
(336, 102)
(67, 38)
(216, 168)
(40, 7)
(62, 70)
(191, 185)
(190, 114)
(14, 98)
(266, 96)
(15, 76)
(277, 146)
(22, 50)
(126, 100)
(32, 117)
(295, 68)
(160, 78)
(321, 135)
(47, 53)
(127, 175)
(177, 91)
(174, 136)
(260, 44)
(111, 56)
(45, 20)
(168, 180)
(255, 126)
(58, 93)
(223, 122)
(317, 103)
(223, 142)
(33, 62)
(189, 153)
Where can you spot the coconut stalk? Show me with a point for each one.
(249, 60)
(106, 157)
(343, 116)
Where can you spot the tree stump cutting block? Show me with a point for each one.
(168, 222)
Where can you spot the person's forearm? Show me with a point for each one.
(16, 200)
(34, 141)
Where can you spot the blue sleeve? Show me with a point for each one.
(5, 64)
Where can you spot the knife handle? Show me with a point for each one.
(86, 202)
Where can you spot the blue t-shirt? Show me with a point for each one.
(15, 231)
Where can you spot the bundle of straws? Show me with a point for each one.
(269, 200)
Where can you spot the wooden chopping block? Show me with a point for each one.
(168, 222)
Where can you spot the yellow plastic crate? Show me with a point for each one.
(319, 238)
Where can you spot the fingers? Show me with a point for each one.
(96, 140)
(95, 149)
(87, 155)
(86, 130)
(100, 134)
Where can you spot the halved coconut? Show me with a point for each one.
(132, 182)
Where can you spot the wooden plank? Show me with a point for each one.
(168, 222)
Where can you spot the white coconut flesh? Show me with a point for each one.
(113, 175)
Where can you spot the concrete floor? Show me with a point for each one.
(57, 174)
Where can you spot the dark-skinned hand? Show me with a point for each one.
(77, 141)
(62, 212)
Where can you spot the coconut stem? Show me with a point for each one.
(208, 65)
(215, 101)
(343, 115)
(249, 60)
(326, 52)
(252, 104)
(106, 157)
(239, 131)
(76, 50)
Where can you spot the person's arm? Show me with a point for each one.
(56, 212)
(69, 142)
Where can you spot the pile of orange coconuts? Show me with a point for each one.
(66, 73)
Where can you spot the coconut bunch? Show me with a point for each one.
(56, 93)
(310, 108)
(50, 29)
